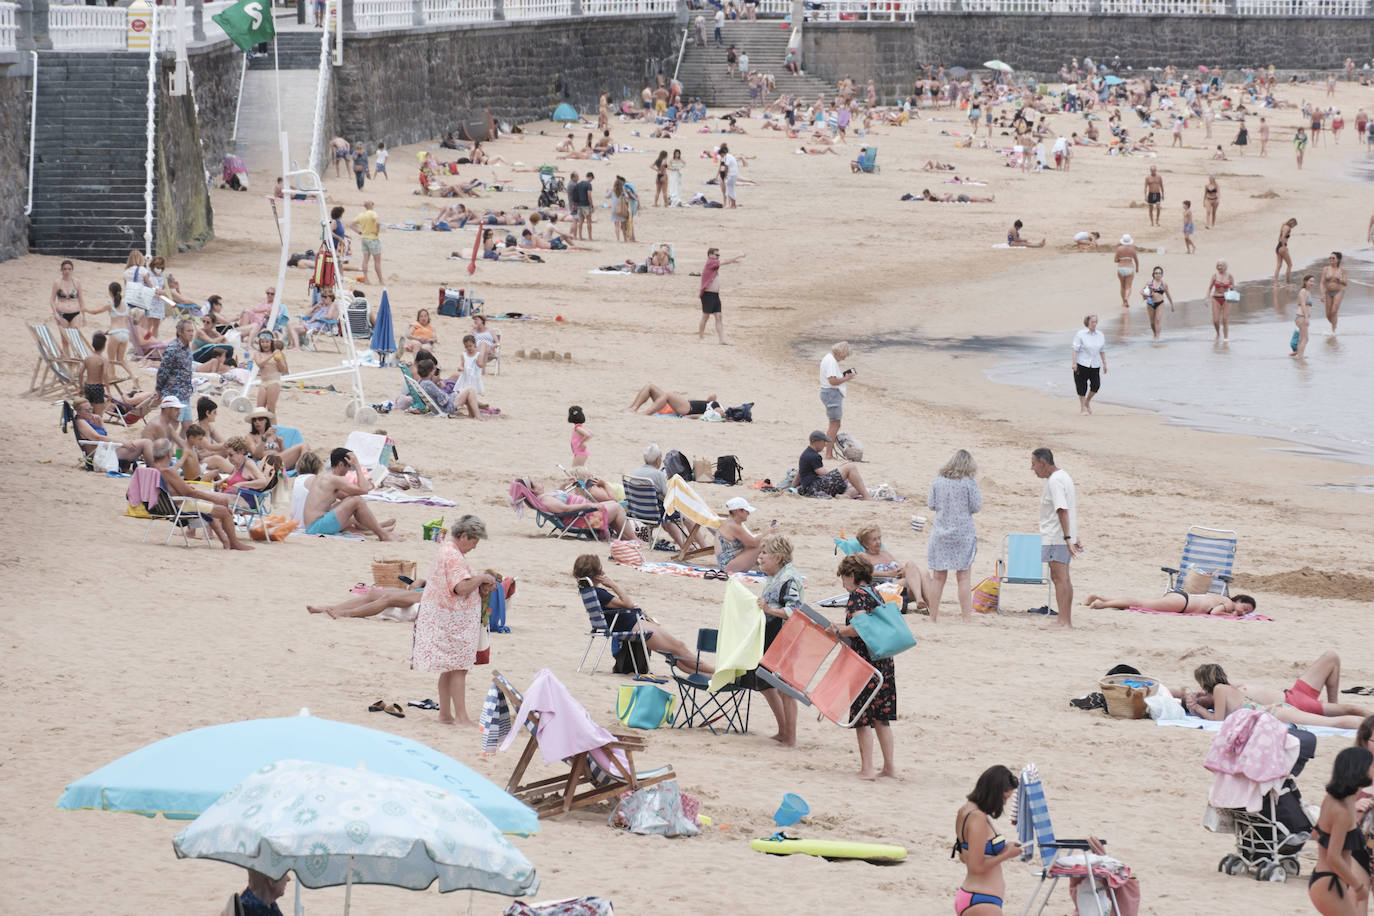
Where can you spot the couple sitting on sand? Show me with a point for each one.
(1300, 704)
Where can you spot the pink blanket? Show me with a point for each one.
(1145, 610)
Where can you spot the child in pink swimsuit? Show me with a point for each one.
(579, 436)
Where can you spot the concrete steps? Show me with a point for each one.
(295, 51)
(89, 149)
(703, 71)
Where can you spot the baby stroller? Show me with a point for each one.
(1268, 840)
(551, 187)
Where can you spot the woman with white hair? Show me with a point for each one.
(955, 497)
(832, 391)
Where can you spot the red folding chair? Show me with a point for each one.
(796, 664)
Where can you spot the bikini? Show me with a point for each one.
(965, 899)
(68, 317)
(1353, 841)
(1220, 291)
(1154, 301)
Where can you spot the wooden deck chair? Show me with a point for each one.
(53, 374)
(599, 627)
(697, 518)
(794, 663)
(180, 511)
(79, 345)
(585, 521)
(1206, 550)
(593, 776)
(1022, 565)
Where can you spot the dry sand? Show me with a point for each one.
(110, 644)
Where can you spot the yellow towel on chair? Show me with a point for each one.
(739, 644)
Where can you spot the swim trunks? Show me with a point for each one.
(1153, 197)
(710, 303)
(1304, 696)
(95, 392)
(372, 246)
(325, 524)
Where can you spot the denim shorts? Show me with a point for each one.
(833, 399)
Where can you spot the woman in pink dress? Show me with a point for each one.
(449, 618)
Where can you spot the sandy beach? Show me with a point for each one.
(123, 643)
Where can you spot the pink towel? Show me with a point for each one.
(144, 487)
(565, 728)
(1145, 610)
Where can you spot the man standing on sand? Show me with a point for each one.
(584, 206)
(1127, 260)
(729, 167)
(1154, 194)
(710, 292)
(332, 504)
(575, 204)
(174, 377)
(1058, 529)
(368, 226)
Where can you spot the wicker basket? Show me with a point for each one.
(1124, 702)
(387, 573)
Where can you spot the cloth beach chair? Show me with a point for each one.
(87, 462)
(1022, 564)
(1036, 834)
(419, 396)
(600, 763)
(867, 162)
(330, 329)
(1208, 550)
(53, 374)
(359, 322)
(600, 628)
(182, 512)
(794, 663)
(697, 514)
(585, 521)
(700, 706)
(643, 505)
(77, 342)
(150, 353)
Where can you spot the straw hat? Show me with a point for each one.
(261, 412)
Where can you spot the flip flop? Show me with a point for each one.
(1360, 691)
(423, 704)
(393, 709)
(379, 706)
(648, 678)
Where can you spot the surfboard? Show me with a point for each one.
(831, 849)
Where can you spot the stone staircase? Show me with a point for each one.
(703, 69)
(89, 149)
(296, 50)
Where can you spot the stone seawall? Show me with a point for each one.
(217, 69)
(184, 217)
(889, 52)
(14, 165)
(401, 87)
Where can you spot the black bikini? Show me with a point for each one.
(1354, 840)
(68, 317)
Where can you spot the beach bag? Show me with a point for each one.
(137, 294)
(645, 706)
(627, 552)
(675, 463)
(656, 810)
(1197, 581)
(744, 413)
(1293, 341)
(573, 906)
(728, 470)
(495, 720)
(622, 206)
(106, 457)
(275, 527)
(630, 658)
(985, 593)
(703, 470)
(849, 448)
(883, 630)
(483, 646)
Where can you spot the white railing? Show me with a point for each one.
(370, 15)
(9, 27)
(878, 10)
(1164, 7)
(627, 7)
(1302, 8)
(1027, 6)
(87, 28)
(538, 9)
(445, 12)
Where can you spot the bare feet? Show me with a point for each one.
(320, 610)
(888, 773)
(868, 775)
(1088, 601)
(242, 546)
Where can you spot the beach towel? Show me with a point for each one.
(144, 487)
(739, 642)
(1037, 815)
(565, 728)
(495, 720)
(1208, 725)
(697, 572)
(1251, 616)
(407, 496)
(682, 498)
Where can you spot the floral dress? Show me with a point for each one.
(953, 539)
(446, 625)
(884, 705)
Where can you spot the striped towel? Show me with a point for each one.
(1039, 816)
(495, 720)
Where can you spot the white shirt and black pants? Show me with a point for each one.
(1089, 362)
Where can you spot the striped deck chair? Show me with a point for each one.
(1040, 831)
(643, 506)
(1208, 550)
(697, 518)
(53, 374)
(77, 341)
(600, 628)
(794, 663)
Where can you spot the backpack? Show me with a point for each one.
(728, 470)
(741, 414)
(676, 463)
(849, 448)
(630, 659)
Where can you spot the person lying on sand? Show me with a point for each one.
(1177, 601)
(933, 166)
(816, 150)
(399, 601)
(1300, 704)
(948, 198)
(660, 401)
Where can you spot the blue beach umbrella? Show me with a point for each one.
(383, 337)
(181, 776)
(1114, 81)
(566, 114)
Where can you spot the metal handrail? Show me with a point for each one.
(681, 51)
(33, 132)
(149, 164)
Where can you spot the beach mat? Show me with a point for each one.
(695, 572)
(1207, 725)
(1145, 610)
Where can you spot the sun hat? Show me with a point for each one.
(172, 400)
(738, 502)
(1127, 240)
(257, 412)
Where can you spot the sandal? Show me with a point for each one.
(394, 709)
(423, 704)
(379, 706)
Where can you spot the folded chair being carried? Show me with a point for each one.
(600, 764)
(794, 663)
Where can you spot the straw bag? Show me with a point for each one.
(985, 593)
(1125, 694)
(1198, 581)
(387, 573)
(704, 470)
(627, 552)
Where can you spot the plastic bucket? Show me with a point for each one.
(792, 809)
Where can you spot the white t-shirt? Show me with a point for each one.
(720, 18)
(830, 367)
(381, 157)
(1058, 494)
(1088, 347)
(731, 166)
(1083, 237)
(300, 492)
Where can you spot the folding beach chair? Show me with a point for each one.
(180, 511)
(600, 627)
(53, 374)
(867, 162)
(420, 396)
(794, 663)
(81, 349)
(643, 505)
(359, 322)
(1022, 564)
(1052, 866)
(586, 521)
(696, 515)
(328, 328)
(700, 706)
(1210, 550)
(596, 774)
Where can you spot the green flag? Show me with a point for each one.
(248, 23)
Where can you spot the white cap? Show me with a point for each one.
(738, 502)
(172, 401)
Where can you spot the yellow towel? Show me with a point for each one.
(739, 645)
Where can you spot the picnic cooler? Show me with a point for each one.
(1125, 694)
(387, 573)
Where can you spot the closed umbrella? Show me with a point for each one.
(998, 65)
(334, 825)
(383, 337)
(566, 114)
(181, 776)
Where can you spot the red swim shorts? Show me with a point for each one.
(1304, 696)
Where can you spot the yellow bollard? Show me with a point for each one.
(140, 34)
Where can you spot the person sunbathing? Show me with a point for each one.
(390, 603)
(213, 507)
(1300, 704)
(624, 618)
(491, 251)
(933, 166)
(480, 156)
(442, 391)
(90, 432)
(660, 401)
(1177, 601)
(563, 502)
(915, 581)
(333, 504)
(816, 150)
(949, 198)
(263, 439)
(661, 261)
